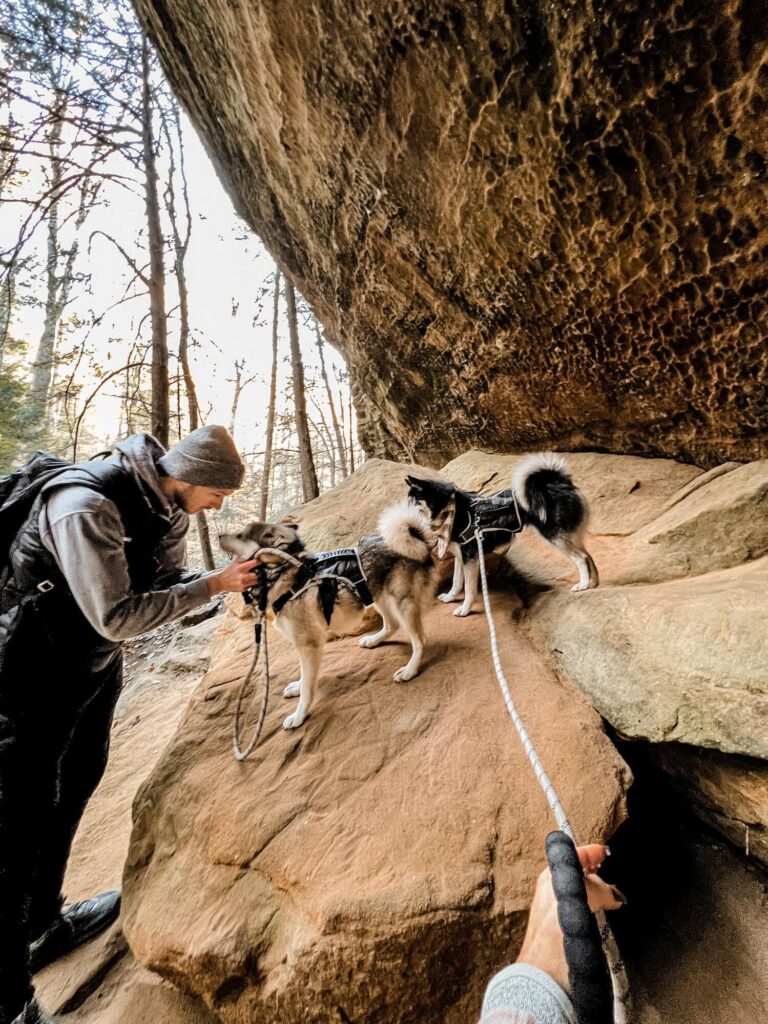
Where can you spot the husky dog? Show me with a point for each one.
(542, 495)
(393, 569)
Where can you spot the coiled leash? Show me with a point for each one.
(590, 948)
(258, 610)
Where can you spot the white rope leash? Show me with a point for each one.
(240, 752)
(616, 966)
(533, 757)
(277, 552)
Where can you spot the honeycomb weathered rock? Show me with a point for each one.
(525, 224)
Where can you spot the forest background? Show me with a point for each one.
(132, 297)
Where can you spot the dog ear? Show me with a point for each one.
(288, 525)
(415, 484)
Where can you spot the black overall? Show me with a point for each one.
(59, 683)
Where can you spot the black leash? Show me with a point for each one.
(258, 609)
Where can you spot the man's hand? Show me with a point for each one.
(233, 578)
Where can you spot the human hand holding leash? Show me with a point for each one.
(233, 578)
(561, 974)
(543, 944)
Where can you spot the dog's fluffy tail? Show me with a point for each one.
(544, 488)
(406, 531)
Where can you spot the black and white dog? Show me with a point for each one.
(542, 495)
(392, 569)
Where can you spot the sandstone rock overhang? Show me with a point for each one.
(523, 224)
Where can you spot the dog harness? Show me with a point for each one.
(496, 512)
(328, 570)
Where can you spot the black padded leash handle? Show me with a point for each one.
(590, 980)
(260, 586)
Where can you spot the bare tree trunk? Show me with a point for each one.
(204, 536)
(331, 405)
(351, 436)
(236, 395)
(323, 435)
(323, 432)
(240, 386)
(7, 160)
(59, 280)
(6, 312)
(192, 407)
(203, 532)
(267, 470)
(180, 248)
(127, 401)
(42, 368)
(160, 390)
(308, 474)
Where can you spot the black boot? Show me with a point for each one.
(33, 1014)
(78, 923)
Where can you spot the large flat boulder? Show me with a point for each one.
(720, 523)
(683, 661)
(376, 864)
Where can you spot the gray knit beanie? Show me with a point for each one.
(207, 457)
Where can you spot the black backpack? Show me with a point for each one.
(19, 490)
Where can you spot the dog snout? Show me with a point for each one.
(232, 544)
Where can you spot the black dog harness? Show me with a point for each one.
(498, 512)
(328, 570)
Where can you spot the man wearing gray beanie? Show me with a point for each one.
(99, 559)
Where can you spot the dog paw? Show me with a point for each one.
(292, 689)
(462, 612)
(578, 587)
(369, 641)
(447, 598)
(404, 674)
(294, 721)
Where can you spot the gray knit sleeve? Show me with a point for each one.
(522, 994)
(83, 531)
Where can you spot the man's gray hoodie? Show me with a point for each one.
(83, 531)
